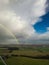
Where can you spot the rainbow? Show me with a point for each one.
(9, 31)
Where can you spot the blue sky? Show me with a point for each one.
(24, 21)
(41, 26)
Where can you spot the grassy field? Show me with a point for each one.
(26, 61)
(1, 63)
(26, 56)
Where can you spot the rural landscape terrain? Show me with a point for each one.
(24, 32)
(24, 54)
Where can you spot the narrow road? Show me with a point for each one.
(3, 60)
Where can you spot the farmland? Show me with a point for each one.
(25, 55)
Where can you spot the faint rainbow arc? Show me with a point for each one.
(9, 32)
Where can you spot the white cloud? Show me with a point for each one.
(48, 28)
(4, 2)
(29, 10)
(18, 16)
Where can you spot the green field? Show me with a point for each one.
(1, 63)
(26, 56)
(26, 61)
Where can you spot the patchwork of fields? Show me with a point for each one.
(25, 55)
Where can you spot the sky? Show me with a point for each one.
(24, 21)
(42, 26)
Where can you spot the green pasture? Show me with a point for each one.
(1, 63)
(27, 51)
(26, 61)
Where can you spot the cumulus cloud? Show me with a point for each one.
(18, 16)
(28, 9)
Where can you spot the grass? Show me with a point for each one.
(1, 63)
(27, 51)
(26, 61)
